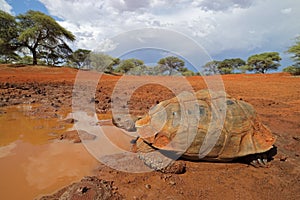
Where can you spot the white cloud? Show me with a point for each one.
(221, 5)
(5, 6)
(129, 5)
(106, 45)
(220, 26)
(286, 10)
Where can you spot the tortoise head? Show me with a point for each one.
(160, 124)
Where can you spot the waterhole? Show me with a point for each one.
(32, 161)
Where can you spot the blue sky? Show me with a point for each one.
(19, 7)
(223, 28)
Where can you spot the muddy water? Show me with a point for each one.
(31, 163)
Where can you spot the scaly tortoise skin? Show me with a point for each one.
(177, 128)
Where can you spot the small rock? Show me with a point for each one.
(297, 138)
(2, 112)
(165, 177)
(283, 158)
(88, 188)
(172, 183)
(70, 120)
(115, 188)
(148, 186)
(177, 167)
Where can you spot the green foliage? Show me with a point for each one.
(188, 73)
(35, 32)
(44, 37)
(211, 67)
(225, 70)
(244, 68)
(228, 66)
(171, 64)
(157, 70)
(26, 60)
(263, 62)
(4, 59)
(78, 58)
(294, 70)
(100, 62)
(139, 70)
(131, 66)
(295, 49)
(8, 35)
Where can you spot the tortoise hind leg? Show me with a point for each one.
(261, 159)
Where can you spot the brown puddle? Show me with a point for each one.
(31, 163)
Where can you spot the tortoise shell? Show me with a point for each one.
(204, 126)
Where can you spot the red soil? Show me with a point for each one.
(275, 97)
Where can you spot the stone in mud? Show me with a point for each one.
(87, 188)
(77, 136)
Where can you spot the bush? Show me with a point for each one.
(292, 70)
(188, 73)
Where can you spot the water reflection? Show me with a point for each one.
(17, 123)
(31, 163)
(7, 150)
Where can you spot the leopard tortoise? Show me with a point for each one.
(205, 125)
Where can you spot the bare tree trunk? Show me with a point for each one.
(34, 57)
(170, 72)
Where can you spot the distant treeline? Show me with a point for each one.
(36, 38)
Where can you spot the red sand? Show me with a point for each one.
(276, 98)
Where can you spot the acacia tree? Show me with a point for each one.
(294, 70)
(186, 72)
(211, 67)
(171, 63)
(100, 62)
(8, 35)
(78, 57)
(228, 66)
(130, 65)
(295, 50)
(263, 62)
(43, 36)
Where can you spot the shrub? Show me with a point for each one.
(292, 70)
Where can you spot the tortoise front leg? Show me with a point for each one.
(159, 162)
(156, 160)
